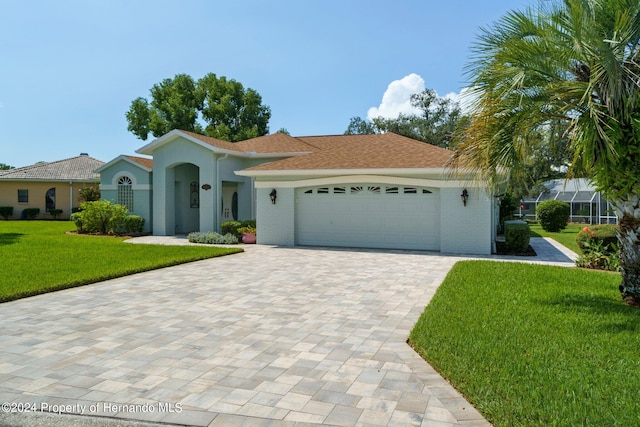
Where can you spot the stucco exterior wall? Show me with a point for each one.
(276, 222)
(465, 229)
(67, 196)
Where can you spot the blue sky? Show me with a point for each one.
(70, 69)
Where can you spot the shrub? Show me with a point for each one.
(508, 205)
(248, 223)
(101, 217)
(517, 236)
(76, 217)
(89, 194)
(6, 212)
(30, 213)
(133, 224)
(231, 227)
(211, 237)
(606, 234)
(55, 213)
(553, 215)
(597, 256)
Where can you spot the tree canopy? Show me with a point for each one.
(4, 167)
(438, 121)
(574, 65)
(212, 106)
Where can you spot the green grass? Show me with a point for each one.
(566, 237)
(535, 345)
(38, 257)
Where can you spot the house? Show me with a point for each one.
(372, 191)
(48, 185)
(587, 205)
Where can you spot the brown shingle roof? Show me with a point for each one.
(384, 151)
(79, 168)
(274, 143)
(144, 161)
(226, 145)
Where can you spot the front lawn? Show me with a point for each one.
(535, 345)
(566, 237)
(38, 257)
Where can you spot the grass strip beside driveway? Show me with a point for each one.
(535, 345)
(38, 257)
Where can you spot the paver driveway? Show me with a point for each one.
(272, 336)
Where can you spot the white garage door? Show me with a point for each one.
(369, 215)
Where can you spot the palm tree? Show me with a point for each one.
(574, 63)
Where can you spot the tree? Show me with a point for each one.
(574, 63)
(4, 167)
(211, 106)
(437, 123)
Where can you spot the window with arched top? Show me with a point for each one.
(50, 199)
(125, 192)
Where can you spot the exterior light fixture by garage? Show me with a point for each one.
(206, 187)
(464, 196)
(273, 195)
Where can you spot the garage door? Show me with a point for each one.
(368, 215)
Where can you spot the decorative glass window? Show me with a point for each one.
(425, 191)
(339, 190)
(356, 190)
(391, 190)
(323, 190)
(50, 199)
(125, 192)
(308, 192)
(375, 190)
(410, 190)
(23, 196)
(194, 194)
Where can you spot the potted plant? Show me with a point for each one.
(248, 234)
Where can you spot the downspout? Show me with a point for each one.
(218, 191)
(70, 198)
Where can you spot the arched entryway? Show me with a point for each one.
(186, 200)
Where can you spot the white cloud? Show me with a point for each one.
(397, 98)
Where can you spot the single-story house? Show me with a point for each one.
(372, 191)
(48, 185)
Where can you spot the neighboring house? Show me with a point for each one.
(587, 205)
(48, 185)
(374, 191)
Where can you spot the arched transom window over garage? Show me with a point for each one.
(125, 192)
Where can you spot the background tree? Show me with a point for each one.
(574, 63)
(211, 106)
(437, 123)
(4, 167)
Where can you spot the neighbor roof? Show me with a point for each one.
(79, 168)
(382, 151)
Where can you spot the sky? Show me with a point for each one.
(70, 69)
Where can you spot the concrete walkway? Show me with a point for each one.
(272, 336)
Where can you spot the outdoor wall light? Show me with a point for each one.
(273, 195)
(464, 196)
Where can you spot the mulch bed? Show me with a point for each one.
(502, 250)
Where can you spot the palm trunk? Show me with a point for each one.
(628, 213)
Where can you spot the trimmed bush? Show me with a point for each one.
(6, 212)
(517, 236)
(230, 227)
(553, 215)
(55, 213)
(605, 234)
(133, 224)
(508, 205)
(30, 213)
